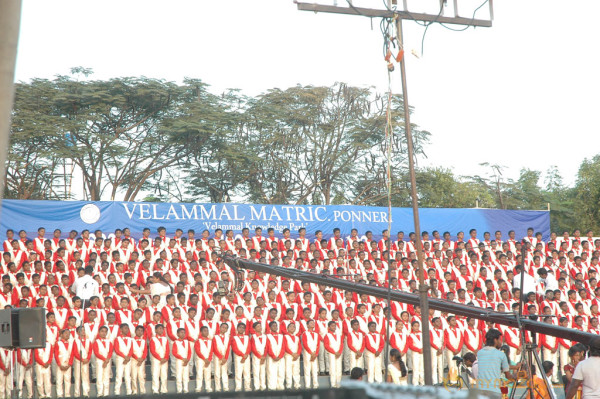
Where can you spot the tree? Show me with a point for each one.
(587, 194)
(32, 166)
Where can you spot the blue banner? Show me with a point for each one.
(108, 216)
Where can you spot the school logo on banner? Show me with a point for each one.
(90, 213)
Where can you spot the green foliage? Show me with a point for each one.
(140, 138)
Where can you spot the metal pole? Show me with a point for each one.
(10, 18)
(423, 288)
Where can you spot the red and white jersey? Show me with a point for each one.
(311, 341)
(293, 345)
(275, 346)
(182, 349)
(63, 352)
(241, 345)
(259, 345)
(123, 346)
(333, 342)
(159, 347)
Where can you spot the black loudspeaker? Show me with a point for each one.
(23, 328)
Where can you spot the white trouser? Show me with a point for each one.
(102, 378)
(335, 369)
(354, 362)
(311, 369)
(122, 370)
(242, 370)
(346, 355)
(563, 355)
(44, 382)
(82, 378)
(275, 374)
(437, 366)
(373, 364)
(453, 370)
(203, 375)
(6, 385)
(138, 377)
(25, 376)
(323, 366)
(63, 380)
(259, 374)
(417, 367)
(221, 375)
(159, 375)
(292, 372)
(182, 376)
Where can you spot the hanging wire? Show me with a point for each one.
(389, 139)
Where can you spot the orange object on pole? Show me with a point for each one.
(400, 55)
(388, 55)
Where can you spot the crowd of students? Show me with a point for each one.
(158, 301)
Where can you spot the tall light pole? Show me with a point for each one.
(10, 19)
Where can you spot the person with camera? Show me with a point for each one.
(492, 363)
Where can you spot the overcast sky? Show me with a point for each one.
(523, 93)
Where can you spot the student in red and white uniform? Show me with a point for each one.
(64, 355)
(550, 349)
(240, 344)
(398, 339)
(24, 363)
(182, 353)
(437, 350)
(103, 350)
(293, 349)
(159, 359)
(453, 344)
(472, 337)
(43, 370)
(81, 364)
(374, 344)
(138, 362)
(311, 342)
(512, 337)
(334, 346)
(259, 357)
(275, 363)
(356, 342)
(123, 346)
(415, 344)
(6, 381)
(203, 348)
(221, 349)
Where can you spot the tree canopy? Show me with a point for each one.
(136, 138)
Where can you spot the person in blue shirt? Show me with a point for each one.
(492, 363)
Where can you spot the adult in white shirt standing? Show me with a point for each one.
(85, 287)
(587, 375)
(529, 284)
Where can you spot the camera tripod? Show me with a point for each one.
(528, 357)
